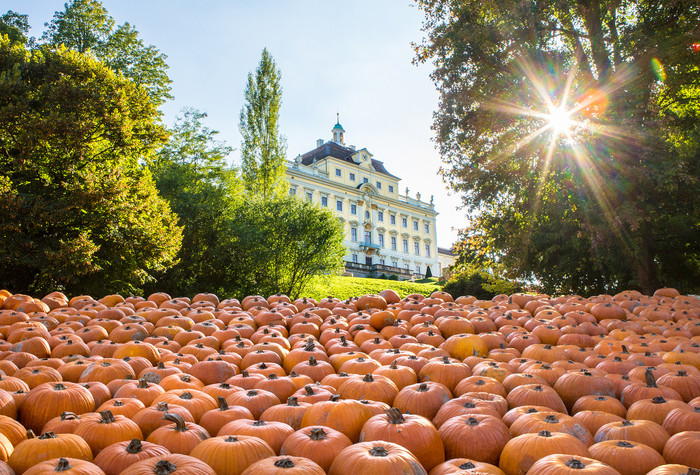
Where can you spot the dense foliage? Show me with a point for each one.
(280, 244)
(78, 210)
(571, 128)
(193, 174)
(87, 27)
(263, 148)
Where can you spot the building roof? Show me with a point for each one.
(333, 149)
(444, 250)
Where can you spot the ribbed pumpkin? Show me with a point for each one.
(49, 400)
(284, 465)
(413, 432)
(179, 437)
(104, 428)
(232, 454)
(48, 446)
(375, 457)
(177, 464)
(474, 436)
(521, 452)
(66, 465)
(570, 465)
(116, 457)
(317, 443)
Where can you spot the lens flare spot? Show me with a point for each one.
(593, 103)
(658, 69)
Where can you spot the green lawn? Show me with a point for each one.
(346, 287)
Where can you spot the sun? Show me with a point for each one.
(559, 121)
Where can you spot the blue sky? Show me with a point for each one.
(354, 58)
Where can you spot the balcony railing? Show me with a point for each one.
(369, 244)
(381, 269)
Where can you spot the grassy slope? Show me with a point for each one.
(346, 287)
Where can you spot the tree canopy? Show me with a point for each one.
(263, 149)
(571, 129)
(78, 209)
(86, 26)
(193, 174)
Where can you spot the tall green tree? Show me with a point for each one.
(263, 149)
(571, 130)
(78, 209)
(193, 174)
(86, 26)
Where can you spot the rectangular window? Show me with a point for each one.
(365, 180)
(382, 262)
(352, 177)
(338, 172)
(404, 222)
(380, 216)
(292, 191)
(368, 236)
(354, 258)
(353, 234)
(405, 246)
(393, 243)
(395, 263)
(366, 214)
(324, 201)
(417, 268)
(381, 240)
(427, 250)
(353, 209)
(339, 205)
(309, 197)
(392, 219)
(415, 225)
(379, 185)
(416, 248)
(427, 229)
(391, 188)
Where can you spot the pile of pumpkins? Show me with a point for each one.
(376, 384)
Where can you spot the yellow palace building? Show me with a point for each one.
(387, 232)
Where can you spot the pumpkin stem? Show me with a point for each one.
(627, 423)
(692, 471)
(309, 390)
(69, 416)
(271, 376)
(252, 393)
(134, 446)
(544, 433)
(162, 407)
(467, 466)
(624, 443)
(245, 373)
(650, 379)
(107, 417)
(575, 464)
(292, 401)
(63, 465)
(312, 361)
(59, 387)
(259, 423)
(378, 451)
(395, 416)
(164, 467)
(187, 395)
(335, 398)
(472, 421)
(422, 387)
(551, 419)
(223, 405)
(317, 433)
(231, 438)
(143, 384)
(284, 463)
(177, 419)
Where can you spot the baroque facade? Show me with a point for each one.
(387, 232)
